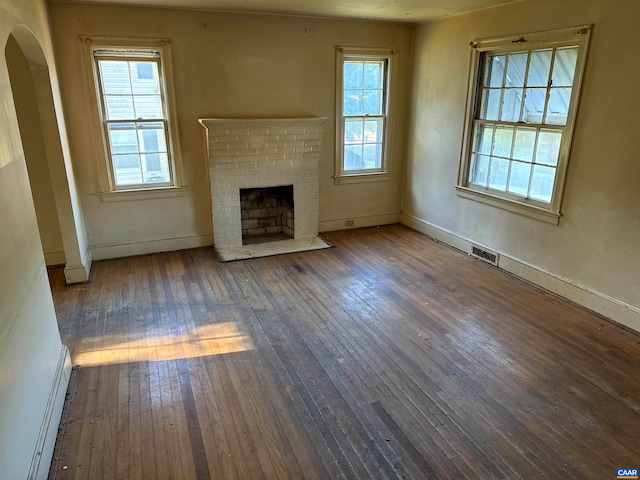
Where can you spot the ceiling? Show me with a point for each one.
(395, 10)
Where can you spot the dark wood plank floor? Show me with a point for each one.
(389, 356)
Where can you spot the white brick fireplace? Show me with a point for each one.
(259, 153)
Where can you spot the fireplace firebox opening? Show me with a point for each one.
(266, 214)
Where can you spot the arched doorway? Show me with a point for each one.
(53, 189)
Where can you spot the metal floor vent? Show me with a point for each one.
(484, 255)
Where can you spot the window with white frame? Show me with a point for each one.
(363, 104)
(138, 128)
(523, 95)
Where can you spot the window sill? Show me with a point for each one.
(142, 194)
(361, 178)
(509, 205)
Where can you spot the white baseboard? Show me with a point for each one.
(128, 249)
(54, 258)
(612, 308)
(43, 453)
(359, 222)
(79, 273)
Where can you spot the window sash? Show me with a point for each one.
(140, 152)
(381, 143)
(512, 160)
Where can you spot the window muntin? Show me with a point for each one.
(134, 117)
(524, 93)
(363, 106)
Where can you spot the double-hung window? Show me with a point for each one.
(522, 104)
(138, 126)
(363, 105)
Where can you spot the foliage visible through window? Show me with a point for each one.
(364, 114)
(135, 118)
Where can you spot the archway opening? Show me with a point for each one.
(47, 157)
(35, 151)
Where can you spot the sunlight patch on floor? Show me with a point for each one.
(212, 339)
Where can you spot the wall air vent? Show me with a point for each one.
(484, 255)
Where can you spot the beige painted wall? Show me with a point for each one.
(35, 153)
(225, 65)
(30, 345)
(596, 243)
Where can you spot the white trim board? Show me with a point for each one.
(359, 222)
(612, 308)
(43, 453)
(54, 258)
(128, 249)
(79, 273)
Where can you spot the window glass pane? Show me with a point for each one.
(483, 138)
(542, 183)
(373, 74)
(353, 102)
(519, 178)
(152, 164)
(353, 157)
(122, 138)
(126, 169)
(502, 141)
(516, 69)
(151, 137)
(494, 72)
(155, 168)
(479, 170)
(558, 106)
(564, 67)
(115, 77)
(353, 130)
(548, 147)
(352, 75)
(373, 102)
(511, 104)
(534, 105)
(539, 66)
(119, 108)
(144, 78)
(373, 130)
(490, 104)
(148, 106)
(498, 174)
(524, 144)
(372, 155)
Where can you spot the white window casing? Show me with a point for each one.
(367, 156)
(520, 115)
(134, 120)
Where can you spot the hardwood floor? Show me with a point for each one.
(389, 356)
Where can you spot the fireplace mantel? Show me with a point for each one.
(257, 153)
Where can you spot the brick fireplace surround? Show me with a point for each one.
(259, 153)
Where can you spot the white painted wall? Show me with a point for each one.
(595, 247)
(224, 65)
(31, 353)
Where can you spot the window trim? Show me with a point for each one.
(109, 192)
(364, 53)
(552, 38)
